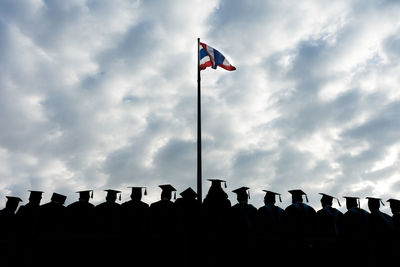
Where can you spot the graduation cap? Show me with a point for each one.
(354, 199)
(58, 198)
(330, 198)
(272, 194)
(35, 194)
(168, 188)
(393, 201)
(217, 182)
(13, 200)
(137, 190)
(375, 200)
(188, 193)
(242, 192)
(113, 193)
(85, 194)
(298, 192)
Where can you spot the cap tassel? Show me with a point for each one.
(91, 195)
(338, 202)
(280, 199)
(249, 194)
(306, 198)
(119, 196)
(358, 201)
(382, 202)
(175, 195)
(225, 184)
(145, 191)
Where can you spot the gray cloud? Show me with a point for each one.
(98, 94)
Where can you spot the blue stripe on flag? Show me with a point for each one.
(203, 53)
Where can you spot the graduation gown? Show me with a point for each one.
(269, 220)
(134, 215)
(243, 218)
(163, 217)
(299, 220)
(327, 221)
(108, 218)
(80, 218)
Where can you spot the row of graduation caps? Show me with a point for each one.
(86, 194)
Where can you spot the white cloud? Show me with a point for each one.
(98, 94)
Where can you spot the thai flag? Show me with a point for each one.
(210, 57)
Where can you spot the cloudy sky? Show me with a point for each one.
(102, 94)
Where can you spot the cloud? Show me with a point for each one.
(98, 94)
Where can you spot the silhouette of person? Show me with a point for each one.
(27, 215)
(299, 221)
(395, 209)
(299, 218)
(243, 215)
(80, 214)
(380, 232)
(134, 212)
(216, 208)
(51, 216)
(108, 214)
(354, 222)
(163, 217)
(270, 216)
(328, 217)
(189, 212)
(8, 217)
(380, 223)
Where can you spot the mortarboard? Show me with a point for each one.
(393, 201)
(113, 193)
(270, 193)
(217, 182)
(58, 198)
(188, 193)
(356, 199)
(298, 192)
(13, 200)
(330, 197)
(375, 200)
(138, 190)
(35, 194)
(85, 194)
(242, 191)
(168, 188)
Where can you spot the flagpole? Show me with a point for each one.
(199, 173)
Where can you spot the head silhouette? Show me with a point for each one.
(373, 204)
(111, 195)
(269, 199)
(394, 205)
(351, 202)
(326, 201)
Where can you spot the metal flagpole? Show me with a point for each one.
(199, 173)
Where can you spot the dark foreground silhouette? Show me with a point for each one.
(185, 232)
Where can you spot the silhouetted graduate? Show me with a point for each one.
(189, 212)
(328, 217)
(135, 212)
(395, 209)
(216, 207)
(80, 214)
(163, 217)
(354, 223)
(8, 222)
(52, 216)
(27, 215)
(270, 216)
(299, 218)
(243, 215)
(108, 214)
(380, 224)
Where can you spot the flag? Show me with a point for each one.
(210, 57)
